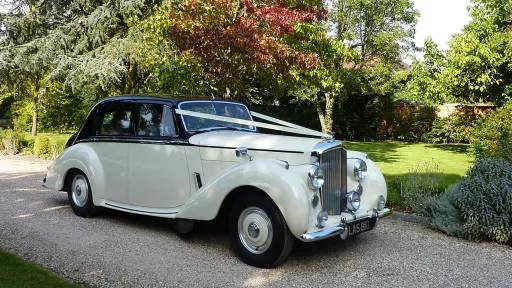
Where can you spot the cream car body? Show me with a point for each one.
(194, 175)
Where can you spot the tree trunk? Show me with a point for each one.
(329, 112)
(34, 116)
(327, 117)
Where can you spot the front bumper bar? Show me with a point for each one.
(340, 228)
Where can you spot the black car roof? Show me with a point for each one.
(152, 97)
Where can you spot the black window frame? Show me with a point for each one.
(137, 120)
(98, 123)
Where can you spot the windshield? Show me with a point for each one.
(226, 109)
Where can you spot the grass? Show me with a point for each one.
(396, 160)
(16, 272)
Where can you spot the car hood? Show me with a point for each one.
(257, 144)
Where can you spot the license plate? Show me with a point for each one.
(359, 227)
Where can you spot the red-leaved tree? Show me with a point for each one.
(238, 40)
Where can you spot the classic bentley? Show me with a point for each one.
(198, 159)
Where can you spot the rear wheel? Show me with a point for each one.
(258, 232)
(80, 194)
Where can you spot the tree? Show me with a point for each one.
(425, 81)
(23, 69)
(477, 65)
(233, 42)
(91, 46)
(479, 59)
(370, 39)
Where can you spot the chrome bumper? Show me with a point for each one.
(340, 228)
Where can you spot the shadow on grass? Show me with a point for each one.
(385, 152)
(455, 148)
(396, 183)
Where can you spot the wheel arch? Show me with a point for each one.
(263, 176)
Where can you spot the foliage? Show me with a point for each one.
(408, 123)
(234, 41)
(11, 141)
(422, 183)
(477, 65)
(424, 77)
(452, 129)
(371, 38)
(42, 146)
(491, 136)
(486, 201)
(444, 213)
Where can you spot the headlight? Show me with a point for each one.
(360, 170)
(353, 201)
(381, 202)
(316, 177)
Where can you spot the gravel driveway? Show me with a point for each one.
(122, 250)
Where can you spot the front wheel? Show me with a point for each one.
(258, 232)
(80, 194)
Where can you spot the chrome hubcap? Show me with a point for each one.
(255, 230)
(79, 190)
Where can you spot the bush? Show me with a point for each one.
(491, 136)
(422, 183)
(57, 146)
(485, 201)
(444, 213)
(452, 129)
(42, 146)
(12, 142)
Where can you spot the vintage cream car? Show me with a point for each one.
(200, 159)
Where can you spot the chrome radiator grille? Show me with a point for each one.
(334, 165)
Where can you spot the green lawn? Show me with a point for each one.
(397, 159)
(16, 272)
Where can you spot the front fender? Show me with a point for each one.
(283, 186)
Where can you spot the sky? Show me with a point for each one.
(440, 19)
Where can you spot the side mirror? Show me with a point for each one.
(242, 152)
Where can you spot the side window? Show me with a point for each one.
(115, 119)
(156, 120)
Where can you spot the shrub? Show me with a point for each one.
(57, 146)
(422, 183)
(491, 136)
(444, 213)
(42, 146)
(12, 142)
(485, 201)
(452, 129)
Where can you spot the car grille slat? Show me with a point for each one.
(334, 165)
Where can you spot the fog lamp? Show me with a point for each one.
(322, 219)
(353, 201)
(381, 202)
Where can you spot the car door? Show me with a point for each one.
(158, 174)
(111, 144)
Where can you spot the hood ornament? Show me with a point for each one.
(330, 138)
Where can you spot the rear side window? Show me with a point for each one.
(156, 120)
(115, 119)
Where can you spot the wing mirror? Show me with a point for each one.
(242, 152)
